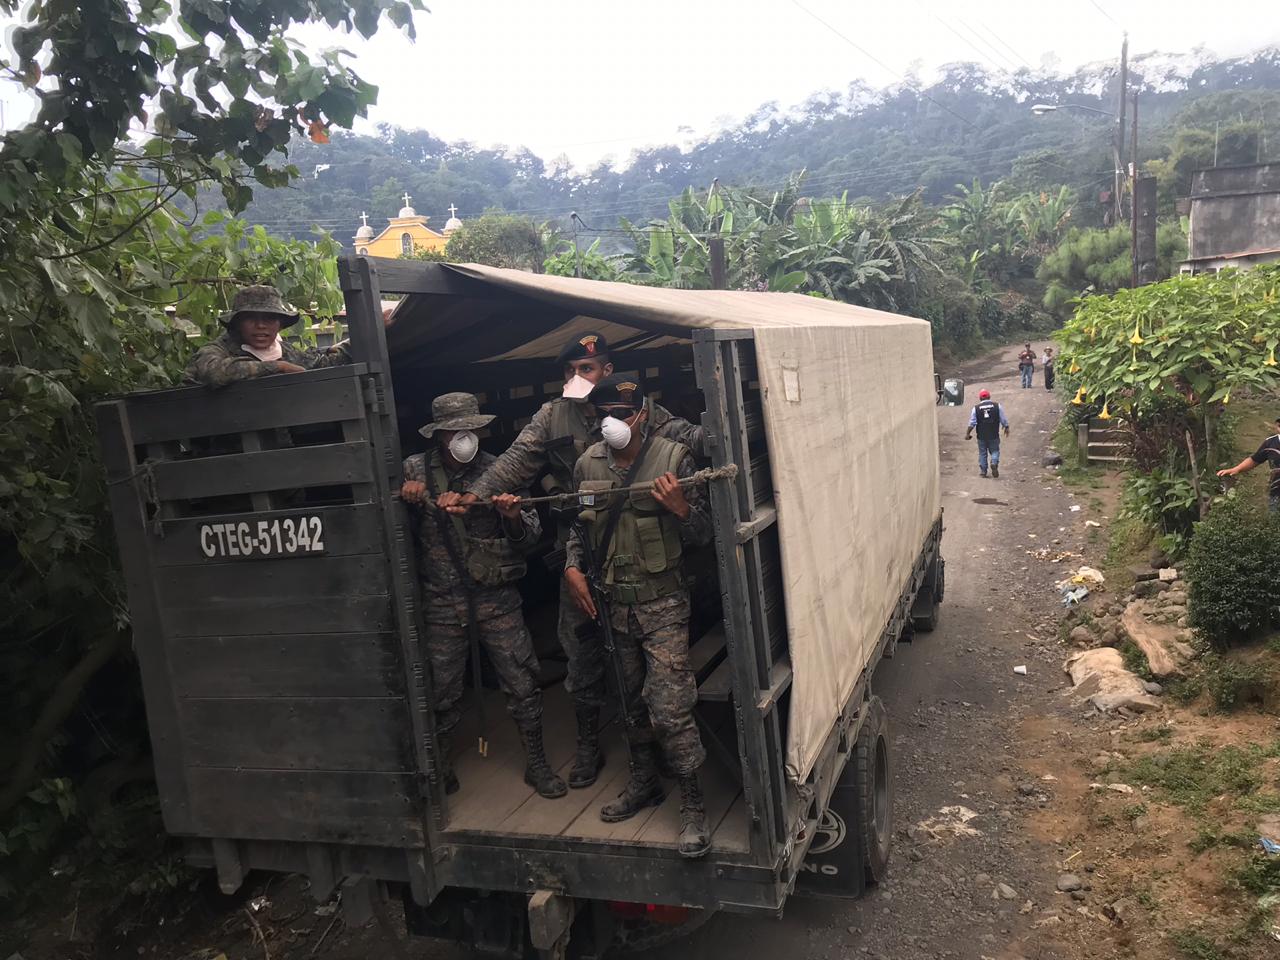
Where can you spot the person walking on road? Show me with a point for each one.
(1269, 453)
(1027, 365)
(1046, 365)
(987, 417)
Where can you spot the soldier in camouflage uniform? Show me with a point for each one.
(469, 568)
(251, 345)
(640, 573)
(555, 438)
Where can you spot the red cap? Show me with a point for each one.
(984, 394)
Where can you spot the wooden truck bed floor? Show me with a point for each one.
(494, 799)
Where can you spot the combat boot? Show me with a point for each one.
(643, 789)
(694, 839)
(537, 772)
(995, 471)
(587, 760)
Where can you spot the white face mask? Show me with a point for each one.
(616, 433)
(273, 352)
(577, 387)
(464, 446)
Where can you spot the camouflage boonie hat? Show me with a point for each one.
(260, 299)
(456, 411)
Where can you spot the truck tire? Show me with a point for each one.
(924, 613)
(875, 791)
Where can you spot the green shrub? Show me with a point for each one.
(1231, 684)
(1234, 570)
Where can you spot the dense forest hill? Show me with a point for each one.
(970, 123)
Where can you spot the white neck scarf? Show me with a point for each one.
(273, 352)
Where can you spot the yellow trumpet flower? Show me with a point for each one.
(1079, 397)
(1074, 368)
(1105, 414)
(1226, 399)
(1136, 339)
(1271, 360)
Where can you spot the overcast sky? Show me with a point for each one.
(592, 78)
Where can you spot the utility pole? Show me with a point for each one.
(1118, 139)
(715, 247)
(1133, 173)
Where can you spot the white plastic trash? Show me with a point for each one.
(1020, 669)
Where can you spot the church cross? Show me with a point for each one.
(364, 219)
(406, 198)
(453, 210)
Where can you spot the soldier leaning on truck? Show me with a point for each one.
(251, 345)
(481, 554)
(648, 600)
(555, 438)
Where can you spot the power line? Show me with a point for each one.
(1000, 41)
(876, 60)
(1097, 6)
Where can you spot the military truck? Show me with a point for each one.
(276, 621)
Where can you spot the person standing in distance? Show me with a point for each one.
(1046, 366)
(987, 417)
(1027, 365)
(1268, 453)
(641, 574)
(469, 567)
(559, 433)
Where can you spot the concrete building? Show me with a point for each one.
(1235, 218)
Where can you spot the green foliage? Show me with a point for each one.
(996, 235)
(222, 85)
(1197, 338)
(1162, 501)
(1259, 875)
(1230, 683)
(94, 255)
(1192, 777)
(1101, 261)
(588, 264)
(1196, 946)
(1135, 661)
(501, 240)
(427, 254)
(1234, 571)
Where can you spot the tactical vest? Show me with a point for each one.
(490, 563)
(644, 555)
(987, 414)
(571, 432)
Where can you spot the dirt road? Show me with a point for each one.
(959, 717)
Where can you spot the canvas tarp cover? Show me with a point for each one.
(848, 398)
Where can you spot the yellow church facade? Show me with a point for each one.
(405, 234)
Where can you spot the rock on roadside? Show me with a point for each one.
(1166, 653)
(1100, 677)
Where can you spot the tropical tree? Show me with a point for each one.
(1101, 261)
(503, 240)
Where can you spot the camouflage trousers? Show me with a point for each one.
(506, 639)
(584, 679)
(660, 689)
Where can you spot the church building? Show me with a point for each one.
(406, 233)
